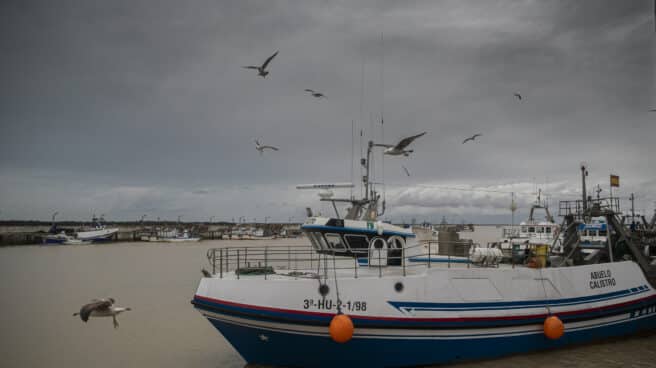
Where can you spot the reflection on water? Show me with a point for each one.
(42, 286)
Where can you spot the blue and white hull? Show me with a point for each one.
(55, 239)
(439, 315)
(281, 344)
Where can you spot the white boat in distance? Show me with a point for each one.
(171, 236)
(98, 233)
(184, 237)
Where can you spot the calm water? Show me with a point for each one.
(42, 286)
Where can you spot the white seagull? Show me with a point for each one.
(400, 148)
(261, 147)
(101, 308)
(261, 70)
(471, 138)
(315, 93)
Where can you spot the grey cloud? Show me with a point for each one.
(108, 96)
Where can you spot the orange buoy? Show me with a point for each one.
(553, 328)
(341, 328)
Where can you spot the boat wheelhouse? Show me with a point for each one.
(517, 241)
(594, 234)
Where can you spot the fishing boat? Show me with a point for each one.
(63, 238)
(170, 236)
(517, 241)
(318, 306)
(97, 233)
(178, 237)
(56, 238)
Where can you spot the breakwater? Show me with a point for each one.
(34, 232)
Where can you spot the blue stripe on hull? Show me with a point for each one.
(352, 230)
(291, 350)
(363, 321)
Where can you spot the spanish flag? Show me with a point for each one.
(615, 181)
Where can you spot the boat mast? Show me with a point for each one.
(584, 173)
(366, 162)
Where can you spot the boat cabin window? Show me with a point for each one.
(531, 229)
(396, 242)
(335, 241)
(540, 229)
(357, 242)
(548, 230)
(523, 229)
(318, 238)
(602, 233)
(378, 243)
(315, 244)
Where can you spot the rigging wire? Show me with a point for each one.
(352, 154)
(382, 104)
(339, 301)
(361, 119)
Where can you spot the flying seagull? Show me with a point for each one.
(315, 93)
(406, 170)
(471, 138)
(519, 97)
(261, 70)
(101, 308)
(400, 148)
(261, 147)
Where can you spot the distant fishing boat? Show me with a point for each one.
(185, 236)
(517, 241)
(57, 238)
(98, 233)
(63, 238)
(171, 236)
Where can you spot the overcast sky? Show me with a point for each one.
(141, 107)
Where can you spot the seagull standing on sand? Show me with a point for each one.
(519, 97)
(101, 308)
(400, 148)
(261, 147)
(315, 93)
(261, 70)
(471, 138)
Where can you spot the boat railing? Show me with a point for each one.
(591, 208)
(303, 261)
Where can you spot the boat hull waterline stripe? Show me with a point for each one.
(318, 318)
(267, 344)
